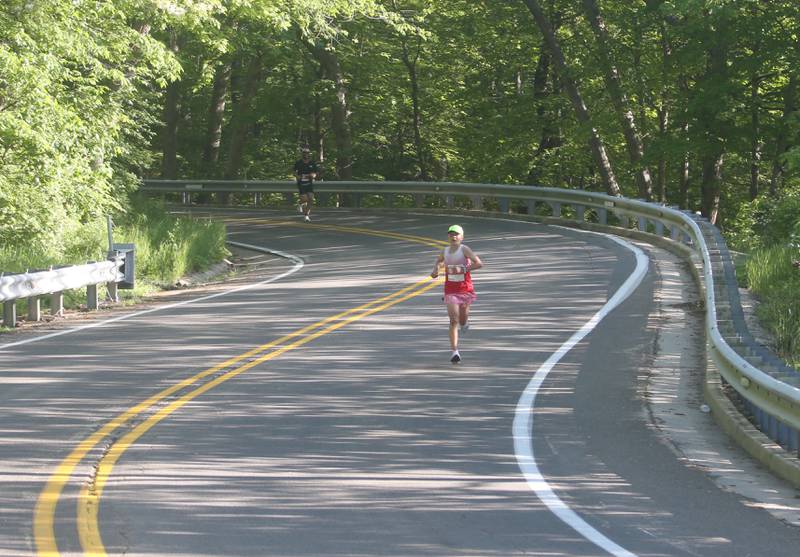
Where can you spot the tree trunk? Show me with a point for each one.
(550, 137)
(410, 63)
(582, 113)
(714, 149)
(169, 164)
(683, 185)
(546, 140)
(755, 140)
(216, 113)
(664, 116)
(319, 133)
(683, 86)
(782, 140)
(619, 100)
(169, 135)
(339, 111)
(710, 188)
(661, 181)
(240, 126)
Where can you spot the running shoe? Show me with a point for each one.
(464, 328)
(456, 359)
(307, 218)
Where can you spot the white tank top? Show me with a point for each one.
(455, 264)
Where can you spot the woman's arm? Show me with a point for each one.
(475, 261)
(439, 261)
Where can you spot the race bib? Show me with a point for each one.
(455, 273)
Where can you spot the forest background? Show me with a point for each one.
(686, 102)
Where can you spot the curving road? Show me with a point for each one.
(309, 409)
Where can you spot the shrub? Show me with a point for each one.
(765, 222)
(167, 247)
(772, 276)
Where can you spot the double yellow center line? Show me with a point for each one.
(151, 414)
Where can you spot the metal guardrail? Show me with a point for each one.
(769, 387)
(116, 272)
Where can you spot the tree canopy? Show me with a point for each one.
(690, 102)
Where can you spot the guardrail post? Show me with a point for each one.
(10, 313)
(57, 303)
(602, 216)
(556, 207)
(34, 309)
(113, 295)
(388, 200)
(530, 206)
(450, 200)
(580, 212)
(642, 224)
(477, 202)
(503, 201)
(419, 200)
(659, 228)
(91, 296)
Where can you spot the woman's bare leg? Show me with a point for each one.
(463, 314)
(453, 313)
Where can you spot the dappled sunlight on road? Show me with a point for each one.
(358, 437)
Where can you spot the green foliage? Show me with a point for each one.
(766, 222)
(82, 243)
(168, 247)
(75, 79)
(81, 112)
(772, 276)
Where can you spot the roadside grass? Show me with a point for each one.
(167, 248)
(771, 276)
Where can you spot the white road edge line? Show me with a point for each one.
(523, 416)
(298, 264)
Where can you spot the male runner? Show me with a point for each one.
(305, 171)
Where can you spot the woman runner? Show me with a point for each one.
(459, 261)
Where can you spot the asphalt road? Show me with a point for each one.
(312, 410)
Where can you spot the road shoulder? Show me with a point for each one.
(674, 396)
